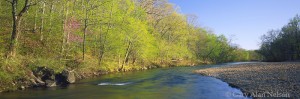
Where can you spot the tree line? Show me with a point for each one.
(283, 44)
(109, 35)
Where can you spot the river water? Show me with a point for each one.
(162, 83)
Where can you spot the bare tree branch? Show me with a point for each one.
(26, 7)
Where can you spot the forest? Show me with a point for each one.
(282, 44)
(111, 36)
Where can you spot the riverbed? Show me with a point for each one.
(162, 83)
(261, 80)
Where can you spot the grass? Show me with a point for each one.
(14, 71)
(11, 70)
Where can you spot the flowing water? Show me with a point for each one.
(162, 83)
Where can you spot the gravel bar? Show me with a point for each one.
(260, 80)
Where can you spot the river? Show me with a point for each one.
(162, 83)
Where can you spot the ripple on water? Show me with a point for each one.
(113, 84)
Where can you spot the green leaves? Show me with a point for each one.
(117, 32)
(284, 44)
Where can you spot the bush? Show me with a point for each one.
(57, 65)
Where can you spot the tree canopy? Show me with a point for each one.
(109, 35)
(283, 44)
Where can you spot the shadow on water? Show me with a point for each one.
(163, 83)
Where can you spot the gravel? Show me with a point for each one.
(260, 80)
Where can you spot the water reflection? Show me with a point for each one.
(165, 83)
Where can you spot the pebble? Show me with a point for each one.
(261, 77)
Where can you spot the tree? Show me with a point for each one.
(17, 18)
(112, 35)
(282, 45)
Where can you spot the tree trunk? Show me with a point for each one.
(50, 19)
(65, 31)
(102, 46)
(84, 37)
(16, 26)
(126, 55)
(103, 37)
(35, 21)
(42, 22)
(14, 37)
(85, 28)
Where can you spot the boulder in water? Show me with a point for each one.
(40, 75)
(22, 87)
(69, 76)
(50, 83)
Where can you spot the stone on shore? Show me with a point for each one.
(46, 77)
(69, 76)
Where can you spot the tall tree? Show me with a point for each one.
(284, 44)
(17, 18)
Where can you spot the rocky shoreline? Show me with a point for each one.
(260, 80)
(43, 77)
(46, 76)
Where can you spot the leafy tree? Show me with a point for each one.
(16, 23)
(115, 35)
(282, 45)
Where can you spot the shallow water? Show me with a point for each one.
(163, 83)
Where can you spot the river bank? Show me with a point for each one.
(160, 83)
(47, 76)
(261, 79)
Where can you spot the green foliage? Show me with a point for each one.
(56, 65)
(12, 69)
(284, 44)
(112, 35)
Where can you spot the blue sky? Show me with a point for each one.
(243, 20)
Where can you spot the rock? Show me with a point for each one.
(69, 76)
(50, 83)
(44, 73)
(22, 88)
(43, 76)
(261, 78)
(40, 82)
(33, 82)
(144, 68)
